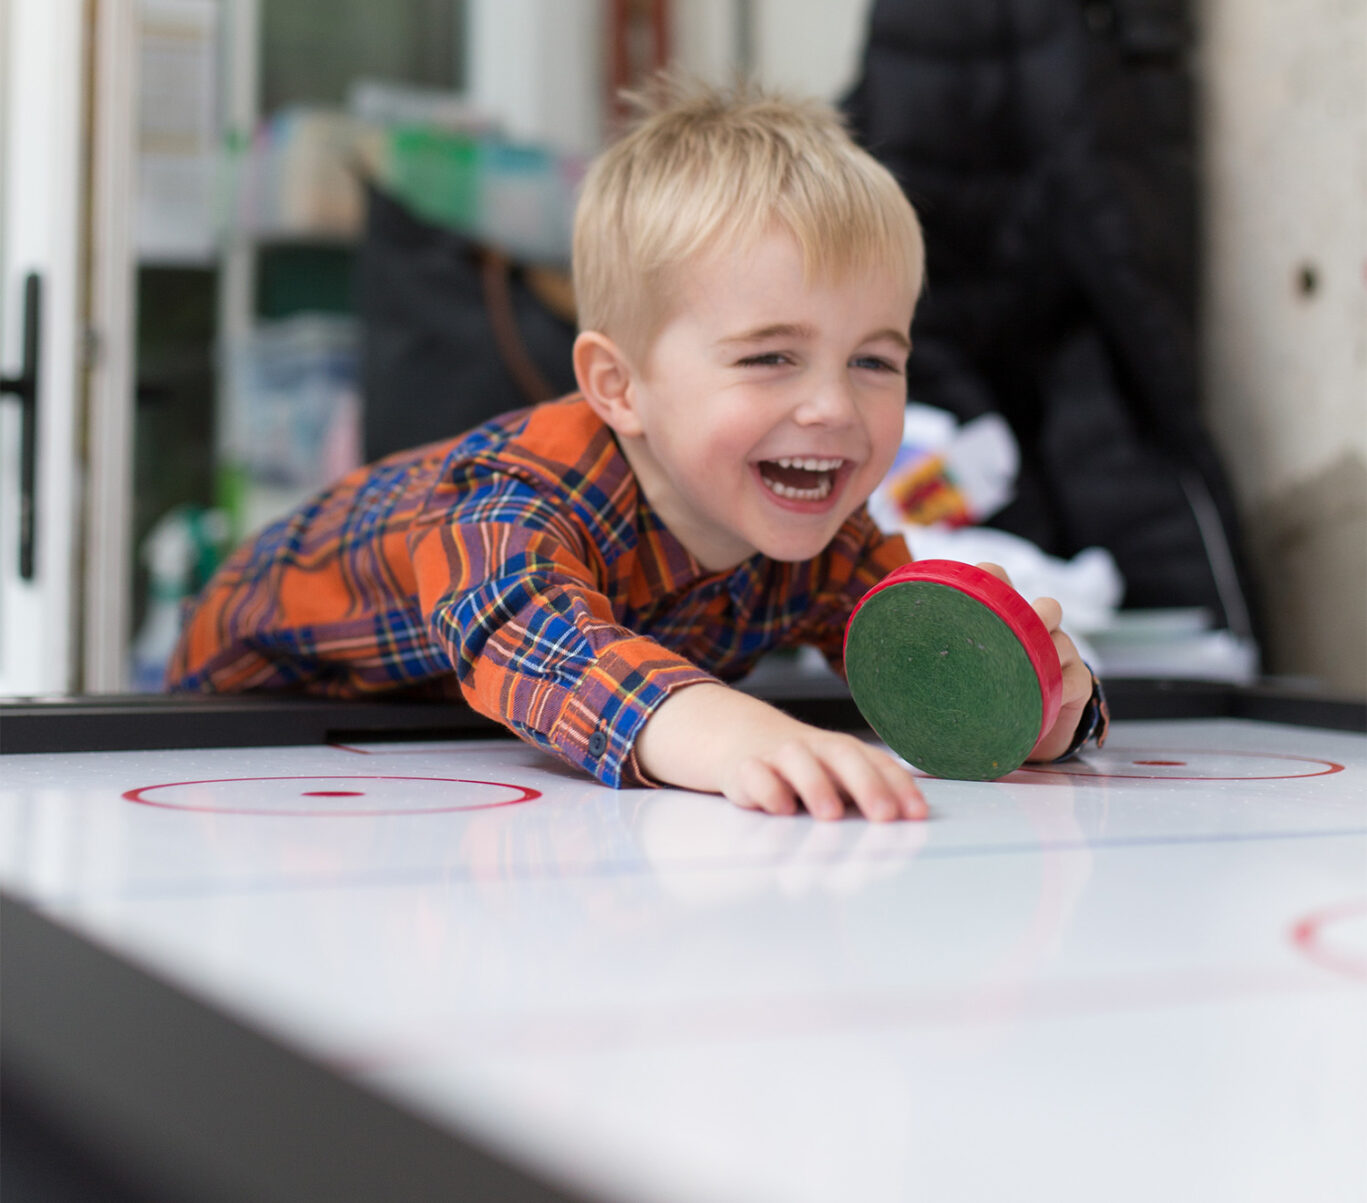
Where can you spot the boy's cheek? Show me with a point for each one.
(881, 461)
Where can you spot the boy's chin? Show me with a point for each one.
(796, 546)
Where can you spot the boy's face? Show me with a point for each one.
(769, 407)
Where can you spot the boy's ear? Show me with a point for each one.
(607, 381)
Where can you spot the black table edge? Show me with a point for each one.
(127, 722)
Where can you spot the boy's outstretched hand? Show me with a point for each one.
(713, 738)
(1077, 677)
(716, 739)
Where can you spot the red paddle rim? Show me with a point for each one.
(1005, 603)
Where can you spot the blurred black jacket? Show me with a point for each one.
(1048, 147)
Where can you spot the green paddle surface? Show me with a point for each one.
(943, 681)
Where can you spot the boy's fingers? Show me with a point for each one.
(904, 788)
(854, 766)
(996, 570)
(900, 784)
(1067, 650)
(821, 776)
(760, 788)
(1077, 681)
(809, 779)
(1077, 677)
(1049, 611)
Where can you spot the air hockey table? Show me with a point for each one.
(286, 950)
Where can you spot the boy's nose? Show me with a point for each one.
(829, 403)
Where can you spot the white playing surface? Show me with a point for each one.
(1139, 977)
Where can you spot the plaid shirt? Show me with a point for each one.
(520, 566)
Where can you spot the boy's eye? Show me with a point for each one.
(766, 359)
(876, 363)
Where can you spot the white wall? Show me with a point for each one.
(536, 65)
(1285, 190)
(555, 94)
(809, 47)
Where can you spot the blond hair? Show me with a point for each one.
(706, 168)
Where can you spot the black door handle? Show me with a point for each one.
(25, 387)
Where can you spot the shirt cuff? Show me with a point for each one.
(598, 728)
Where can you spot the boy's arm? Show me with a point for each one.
(510, 589)
(713, 738)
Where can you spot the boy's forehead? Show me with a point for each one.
(776, 249)
(768, 287)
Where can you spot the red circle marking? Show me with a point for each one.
(139, 795)
(1008, 605)
(1324, 767)
(1305, 935)
(333, 793)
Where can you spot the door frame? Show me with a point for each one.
(42, 174)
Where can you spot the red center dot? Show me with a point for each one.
(1173, 763)
(333, 793)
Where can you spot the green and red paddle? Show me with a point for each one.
(952, 669)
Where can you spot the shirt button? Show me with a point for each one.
(598, 743)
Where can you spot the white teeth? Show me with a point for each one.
(819, 491)
(822, 490)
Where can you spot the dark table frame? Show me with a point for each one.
(116, 723)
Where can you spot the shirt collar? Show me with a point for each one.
(663, 558)
(666, 560)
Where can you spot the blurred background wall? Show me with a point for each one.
(1284, 87)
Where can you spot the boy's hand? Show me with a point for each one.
(821, 770)
(712, 738)
(1077, 677)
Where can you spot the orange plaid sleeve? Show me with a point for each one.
(507, 588)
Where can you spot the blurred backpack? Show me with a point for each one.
(452, 332)
(1047, 146)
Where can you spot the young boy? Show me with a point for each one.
(590, 571)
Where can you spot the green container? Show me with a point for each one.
(436, 173)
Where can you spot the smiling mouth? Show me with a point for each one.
(800, 479)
